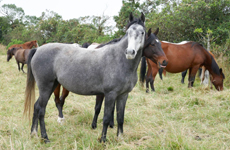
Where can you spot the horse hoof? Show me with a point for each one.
(46, 141)
(111, 125)
(94, 126)
(147, 90)
(102, 139)
(60, 120)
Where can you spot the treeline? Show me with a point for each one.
(204, 21)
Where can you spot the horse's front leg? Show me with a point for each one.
(18, 65)
(120, 105)
(22, 68)
(108, 110)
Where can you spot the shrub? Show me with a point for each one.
(14, 41)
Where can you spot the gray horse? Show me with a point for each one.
(111, 71)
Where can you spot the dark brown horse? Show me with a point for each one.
(149, 47)
(188, 55)
(20, 55)
(151, 73)
(27, 45)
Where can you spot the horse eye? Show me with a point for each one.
(142, 33)
(152, 44)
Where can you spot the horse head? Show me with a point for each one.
(217, 80)
(136, 35)
(11, 52)
(35, 43)
(153, 50)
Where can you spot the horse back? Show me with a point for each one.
(19, 55)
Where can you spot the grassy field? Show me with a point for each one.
(195, 118)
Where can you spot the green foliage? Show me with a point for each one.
(14, 41)
(178, 21)
(122, 19)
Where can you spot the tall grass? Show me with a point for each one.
(182, 118)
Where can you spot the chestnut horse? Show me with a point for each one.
(27, 45)
(20, 55)
(188, 55)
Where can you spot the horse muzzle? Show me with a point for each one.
(130, 54)
(163, 64)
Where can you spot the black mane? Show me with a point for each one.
(137, 21)
(110, 42)
(214, 66)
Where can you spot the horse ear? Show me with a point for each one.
(149, 32)
(131, 17)
(142, 17)
(156, 32)
(221, 71)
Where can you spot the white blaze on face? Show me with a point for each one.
(136, 35)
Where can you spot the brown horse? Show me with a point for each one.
(187, 55)
(27, 45)
(201, 74)
(20, 55)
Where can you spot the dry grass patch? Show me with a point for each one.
(182, 118)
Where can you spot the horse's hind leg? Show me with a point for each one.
(192, 75)
(39, 109)
(183, 74)
(99, 100)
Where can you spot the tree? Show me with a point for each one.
(13, 14)
(122, 19)
(177, 21)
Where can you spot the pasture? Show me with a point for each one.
(174, 117)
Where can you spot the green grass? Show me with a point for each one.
(170, 118)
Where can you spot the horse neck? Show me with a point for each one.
(14, 51)
(30, 44)
(211, 65)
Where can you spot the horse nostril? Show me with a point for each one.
(133, 52)
(126, 52)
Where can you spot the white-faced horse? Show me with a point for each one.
(111, 71)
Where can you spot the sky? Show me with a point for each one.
(69, 9)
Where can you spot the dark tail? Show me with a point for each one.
(160, 72)
(30, 86)
(143, 70)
